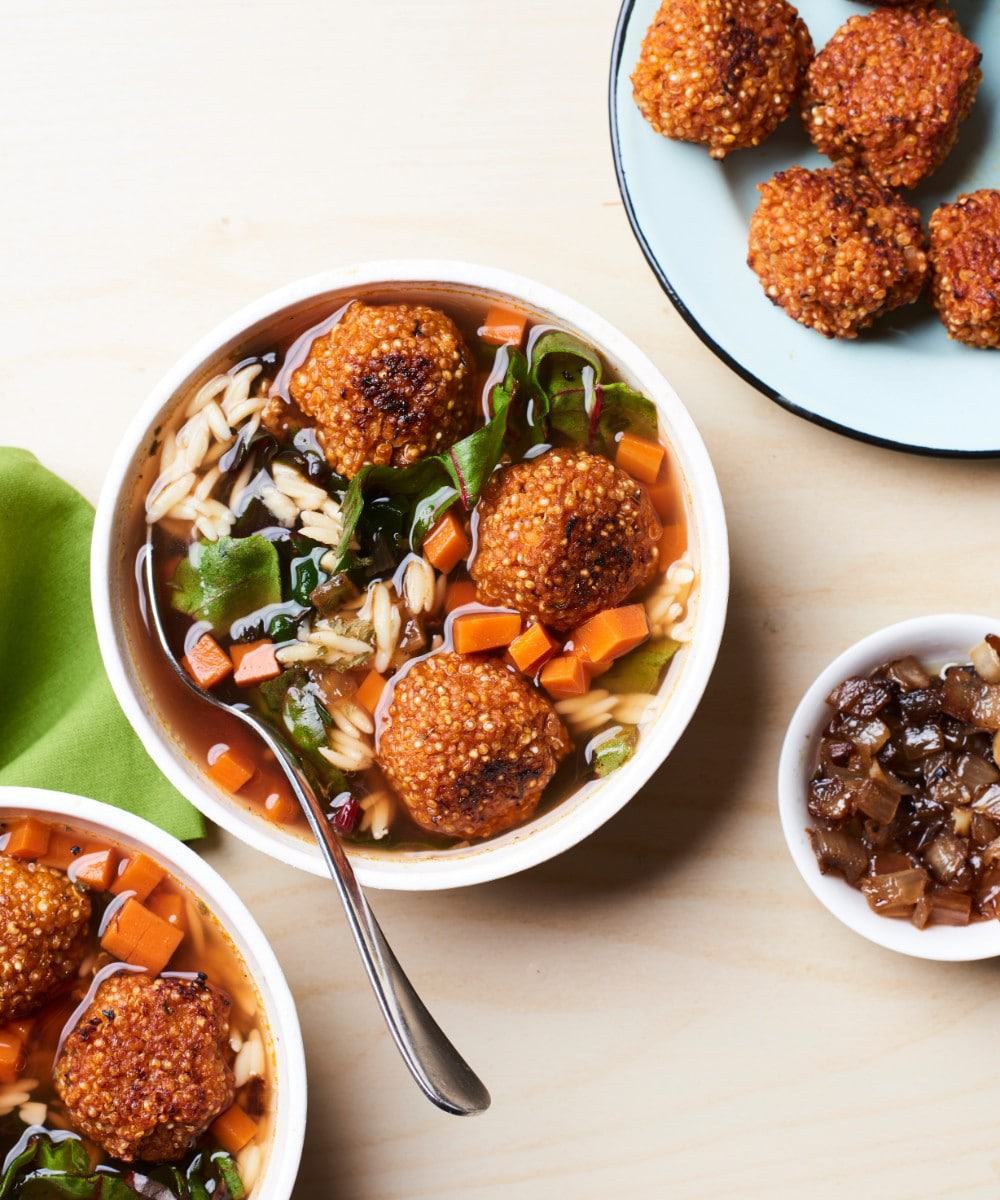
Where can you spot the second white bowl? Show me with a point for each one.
(947, 637)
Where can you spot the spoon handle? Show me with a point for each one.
(442, 1074)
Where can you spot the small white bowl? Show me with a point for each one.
(281, 1164)
(119, 522)
(934, 640)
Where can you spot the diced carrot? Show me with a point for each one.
(459, 593)
(503, 327)
(206, 662)
(473, 633)
(64, 849)
(231, 770)
(640, 457)
(280, 808)
(565, 676)
(254, 662)
(28, 839)
(672, 545)
(610, 634)
(532, 648)
(97, 867)
(663, 497)
(233, 1129)
(370, 691)
(169, 906)
(139, 875)
(446, 544)
(139, 937)
(11, 1054)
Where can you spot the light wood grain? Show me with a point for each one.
(664, 1011)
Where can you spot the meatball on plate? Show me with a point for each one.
(833, 316)
(146, 1030)
(450, 534)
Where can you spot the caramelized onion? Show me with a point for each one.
(945, 856)
(892, 891)
(950, 908)
(986, 661)
(876, 802)
(836, 851)
(909, 674)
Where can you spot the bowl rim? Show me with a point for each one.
(919, 636)
(488, 860)
(287, 1137)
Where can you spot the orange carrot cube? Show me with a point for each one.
(280, 808)
(254, 662)
(663, 497)
(639, 457)
(672, 545)
(503, 327)
(169, 906)
(233, 1129)
(446, 544)
(474, 633)
(565, 676)
(137, 936)
(139, 875)
(97, 867)
(231, 770)
(459, 593)
(28, 839)
(370, 691)
(610, 634)
(532, 648)
(207, 663)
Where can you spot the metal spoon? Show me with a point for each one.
(442, 1074)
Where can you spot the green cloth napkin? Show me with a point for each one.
(60, 724)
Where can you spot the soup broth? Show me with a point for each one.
(126, 890)
(352, 614)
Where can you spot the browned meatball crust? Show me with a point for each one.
(723, 73)
(563, 536)
(835, 250)
(469, 746)
(389, 384)
(44, 925)
(888, 91)
(965, 267)
(145, 1070)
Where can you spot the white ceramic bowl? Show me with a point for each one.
(118, 529)
(934, 640)
(285, 1150)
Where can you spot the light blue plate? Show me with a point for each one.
(904, 384)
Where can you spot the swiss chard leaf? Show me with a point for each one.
(306, 718)
(557, 362)
(642, 669)
(617, 409)
(472, 461)
(219, 582)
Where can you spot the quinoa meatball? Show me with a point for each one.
(723, 73)
(144, 1071)
(468, 746)
(562, 536)
(389, 384)
(889, 90)
(965, 267)
(836, 250)
(44, 926)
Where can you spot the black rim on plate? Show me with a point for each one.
(617, 53)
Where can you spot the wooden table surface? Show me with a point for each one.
(665, 1010)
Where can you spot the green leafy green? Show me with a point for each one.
(642, 669)
(306, 574)
(222, 581)
(617, 409)
(59, 1169)
(615, 750)
(290, 703)
(306, 718)
(557, 362)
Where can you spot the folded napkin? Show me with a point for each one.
(60, 724)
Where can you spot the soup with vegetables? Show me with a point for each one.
(442, 549)
(906, 792)
(134, 1061)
